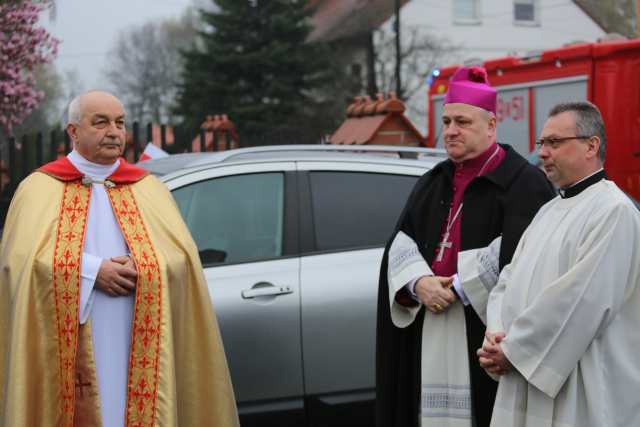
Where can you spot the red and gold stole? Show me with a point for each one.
(67, 255)
(143, 372)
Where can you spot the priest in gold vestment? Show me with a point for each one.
(105, 318)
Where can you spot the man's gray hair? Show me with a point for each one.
(588, 121)
(73, 113)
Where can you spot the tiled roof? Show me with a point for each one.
(216, 127)
(335, 19)
(380, 121)
(593, 13)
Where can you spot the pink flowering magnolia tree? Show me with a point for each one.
(23, 46)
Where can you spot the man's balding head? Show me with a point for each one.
(74, 112)
(96, 126)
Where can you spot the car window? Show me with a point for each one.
(235, 218)
(356, 209)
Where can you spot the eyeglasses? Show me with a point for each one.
(555, 142)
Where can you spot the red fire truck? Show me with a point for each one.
(605, 73)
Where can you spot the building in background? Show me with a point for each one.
(456, 31)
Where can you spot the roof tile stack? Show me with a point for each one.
(380, 121)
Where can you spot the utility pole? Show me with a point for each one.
(398, 51)
(638, 18)
(372, 87)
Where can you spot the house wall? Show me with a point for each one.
(494, 34)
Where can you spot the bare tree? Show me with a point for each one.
(421, 53)
(145, 66)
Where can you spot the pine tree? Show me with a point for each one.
(253, 64)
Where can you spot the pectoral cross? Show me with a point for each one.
(445, 244)
(81, 385)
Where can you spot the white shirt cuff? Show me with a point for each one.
(88, 273)
(411, 288)
(458, 287)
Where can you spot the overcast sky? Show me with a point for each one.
(87, 30)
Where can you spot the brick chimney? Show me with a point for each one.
(222, 128)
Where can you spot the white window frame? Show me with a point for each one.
(476, 20)
(535, 22)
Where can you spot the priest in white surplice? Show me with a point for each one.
(563, 320)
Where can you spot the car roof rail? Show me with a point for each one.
(400, 151)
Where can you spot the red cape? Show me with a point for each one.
(64, 170)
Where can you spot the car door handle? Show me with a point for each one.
(264, 291)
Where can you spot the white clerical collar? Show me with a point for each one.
(93, 170)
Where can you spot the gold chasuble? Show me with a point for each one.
(177, 373)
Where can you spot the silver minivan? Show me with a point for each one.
(291, 239)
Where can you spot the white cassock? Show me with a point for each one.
(111, 317)
(570, 306)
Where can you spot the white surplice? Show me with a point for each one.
(570, 306)
(111, 317)
(478, 271)
(445, 399)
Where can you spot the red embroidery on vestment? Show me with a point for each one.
(145, 332)
(67, 256)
